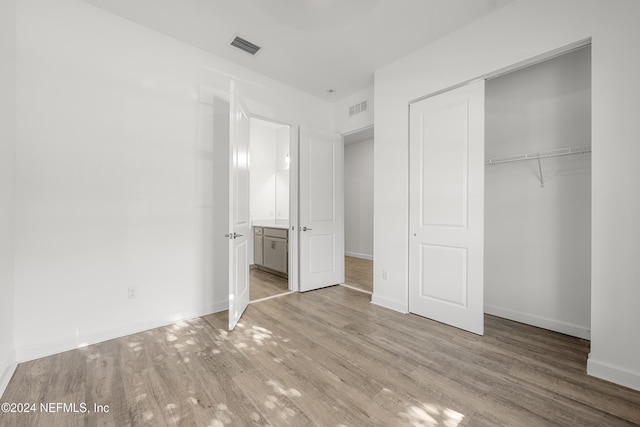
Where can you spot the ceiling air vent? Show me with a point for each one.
(245, 45)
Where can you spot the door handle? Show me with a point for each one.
(233, 235)
(305, 229)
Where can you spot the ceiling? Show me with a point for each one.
(313, 45)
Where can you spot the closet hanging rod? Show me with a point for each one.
(539, 155)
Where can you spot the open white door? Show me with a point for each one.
(239, 219)
(446, 249)
(321, 198)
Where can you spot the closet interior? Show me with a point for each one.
(538, 194)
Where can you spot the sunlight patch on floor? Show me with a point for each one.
(278, 388)
(283, 412)
(179, 326)
(93, 356)
(259, 334)
(428, 415)
(223, 415)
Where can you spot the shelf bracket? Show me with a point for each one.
(540, 171)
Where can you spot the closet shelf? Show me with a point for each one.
(540, 155)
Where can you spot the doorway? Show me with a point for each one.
(358, 193)
(532, 216)
(538, 194)
(315, 232)
(269, 177)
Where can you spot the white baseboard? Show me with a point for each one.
(356, 289)
(539, 321)
(390, 304)
(612, 373)
(59, 345)
(361, 256)
(7, 369)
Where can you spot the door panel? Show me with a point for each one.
(321, 169)
(446, 123)
(446, 253)
(239, 217)
(322, 248)
(443, 274)
(321, 209)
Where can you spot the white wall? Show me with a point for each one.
(262, 171)
(111, 174)
(358, 199)
(346, 123)
(7, 162)
(538, 239)
(213, 220)
(514, 33)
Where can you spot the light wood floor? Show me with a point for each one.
(263, 284)
(326, 358)
(358, 273)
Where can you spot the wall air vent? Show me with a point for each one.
(245, 45)
(360, 107)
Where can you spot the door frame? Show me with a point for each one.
(344, 146)
(294, 199)
(293, 279)
(510, 68)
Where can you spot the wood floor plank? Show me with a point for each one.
(325, 358)
(263, 284)
(359, 273)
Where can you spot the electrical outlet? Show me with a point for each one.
(385, 275)
(131, 292)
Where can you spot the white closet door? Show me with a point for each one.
(446, 253)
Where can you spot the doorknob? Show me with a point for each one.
(233, 235)
(305, 229)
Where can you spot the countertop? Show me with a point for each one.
(271, 224)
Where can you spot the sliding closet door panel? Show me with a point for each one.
(447, 208)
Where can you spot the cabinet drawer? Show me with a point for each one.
(257, 230)
(276, 232)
